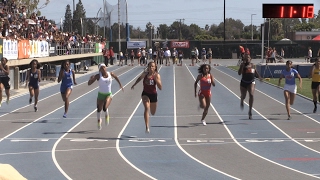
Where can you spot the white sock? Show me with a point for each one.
(98, 115)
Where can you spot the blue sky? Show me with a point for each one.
(200, 12)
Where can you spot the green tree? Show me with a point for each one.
(67, 23)
(163, 30)
(32, 6)
(79, 15)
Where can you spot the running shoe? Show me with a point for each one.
(289, 117)
(30, 100)
(250, 115)
(147, 131)
(99, 124)
(107, 119)
(7, 101)
(204, 122)
(315, 109)
(35, 108)
(0, 104)
(241, 105)
(64, 115)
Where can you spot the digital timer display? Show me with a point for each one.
(287, 10)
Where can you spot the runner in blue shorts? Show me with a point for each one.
(67, 78)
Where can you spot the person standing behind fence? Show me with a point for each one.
(161, 54)
(67, 78)
(4, 79)
(132, 57)
(193, 56)
(167, 55)
(309, 56)
(111, 55)
(290, 87)
(315, 88)
(32, 81)
(209, 54)
(203, 55)
(106, 55)
(139, 56)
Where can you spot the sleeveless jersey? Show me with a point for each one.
(105, 83)
(2, 73)
(149, 85)
(205, 83)
(316, 75)
(248, 73)
(33, 79)
(67, 79)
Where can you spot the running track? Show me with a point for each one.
(43, 145)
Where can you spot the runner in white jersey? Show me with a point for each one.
(104, 98)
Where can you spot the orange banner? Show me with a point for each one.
(23, 49)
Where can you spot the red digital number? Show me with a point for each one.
(303, 12)
(310, 12)
(291, 10)
(281, 12)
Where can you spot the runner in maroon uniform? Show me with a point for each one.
(151, 79)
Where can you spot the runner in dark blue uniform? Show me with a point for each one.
(34, 77)
(4, 79)
(65, 76)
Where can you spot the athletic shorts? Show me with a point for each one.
(34, 86)
(63, 89)
(5, 81)
(103, 96)
(246, 84)
(152, 97)
(290, 88)
(204, 93)
(315, 85)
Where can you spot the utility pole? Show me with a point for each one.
(180, 28)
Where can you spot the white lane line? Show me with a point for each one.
(268, 119)
(176, 129)
(318, 122)
(43, 98)
(120, 134)
(239, 144)
(57, 142)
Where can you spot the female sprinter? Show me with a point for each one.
(104, 98)
(65, 76)
(206, 80)
(247, 84)
(290, 87)
(151, 79)
(4, 79)
(315, 75)
(34, 77)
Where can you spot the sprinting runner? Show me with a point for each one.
(4, 79)
(104, 98)
(290, 87)
(206, 80)
(67, 78)
(247, 84)
(315, 88)
(151, 80)
(33, 77)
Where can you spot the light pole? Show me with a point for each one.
(252, 27)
